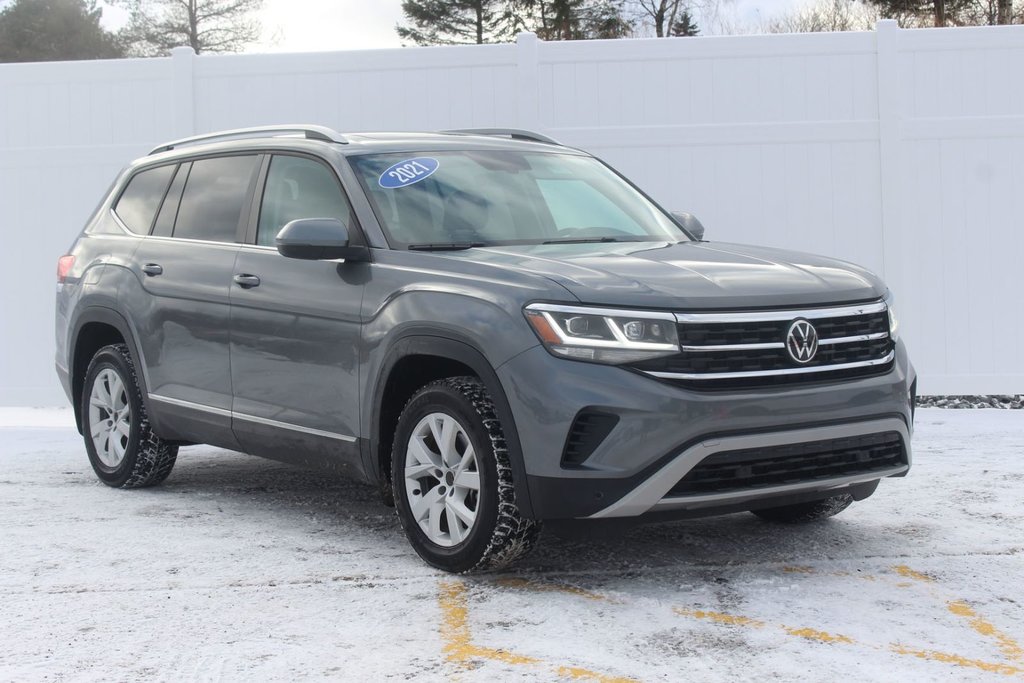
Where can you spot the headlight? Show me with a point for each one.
(603, 335)
(894, 322)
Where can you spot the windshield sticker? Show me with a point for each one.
(408, 172)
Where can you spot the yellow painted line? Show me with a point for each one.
(719, 617)
(1008, 645)
(798, 570)
(579, 674)
(454, 621)
(545, 587)
(820, 636)
(825, 637)
(905, 571)
(1005, 669)
(459, 648)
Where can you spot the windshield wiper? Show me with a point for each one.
(446, 246)
(583, 240)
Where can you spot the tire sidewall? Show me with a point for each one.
(109, 358)
(441, 398)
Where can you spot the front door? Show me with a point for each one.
(295, 329)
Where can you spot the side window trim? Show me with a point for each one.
(256, 202)
(355, 229)
(160, 205)
(183, 170)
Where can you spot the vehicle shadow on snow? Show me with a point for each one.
(347, 508)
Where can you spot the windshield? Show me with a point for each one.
(482, 198)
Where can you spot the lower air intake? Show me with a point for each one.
(792, 464)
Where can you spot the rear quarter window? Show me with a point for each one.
(138, 204)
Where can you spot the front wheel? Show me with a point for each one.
(452, 480)
(123, 450)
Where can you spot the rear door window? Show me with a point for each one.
(214, 196)
(138, 204)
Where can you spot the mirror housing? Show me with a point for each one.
(318, 239)
(690, 224)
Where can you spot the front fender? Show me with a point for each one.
(422, 340)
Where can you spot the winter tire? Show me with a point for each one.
(806, 512)
(452, 480)
(122, 448)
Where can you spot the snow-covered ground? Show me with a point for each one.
(243, 569)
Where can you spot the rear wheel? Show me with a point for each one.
(452, 480)
(122, 448)
(806, 512)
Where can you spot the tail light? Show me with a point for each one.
(64, 265)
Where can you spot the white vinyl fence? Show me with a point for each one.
(900, 150)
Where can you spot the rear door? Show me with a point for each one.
(295, 327)
(182, 306)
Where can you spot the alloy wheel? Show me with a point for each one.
(442, 480)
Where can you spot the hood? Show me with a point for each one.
(708, 275)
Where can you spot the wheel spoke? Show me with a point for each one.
(436, 510)
(459, 509)
(119, 449)
(449, 433)
(101, 392)
(423, 455)
(417, 471)
(468, 458)
(122, 427)
(117, 393)
(420, 506)
(468, 480)
(454, 526)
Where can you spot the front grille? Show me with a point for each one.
(754, 468)
(748, 350)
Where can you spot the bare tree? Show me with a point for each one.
(156, 26)
(662, 14)
(826, 15)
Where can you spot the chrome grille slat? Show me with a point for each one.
(736, 349)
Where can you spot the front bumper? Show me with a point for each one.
(663, 431)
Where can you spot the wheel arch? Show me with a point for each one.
(450, 357)
(94, 328)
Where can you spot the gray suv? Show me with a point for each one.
(495, 329)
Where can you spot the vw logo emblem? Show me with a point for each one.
(802, 341)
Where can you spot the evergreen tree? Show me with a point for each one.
(453, 22)
(52, 30)
(575, 19)
(684, 26)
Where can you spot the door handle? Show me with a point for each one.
(246, 281)
(152, 269)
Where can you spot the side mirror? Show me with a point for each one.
(318, 239)
(690, 224)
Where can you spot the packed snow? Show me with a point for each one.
(238, 568)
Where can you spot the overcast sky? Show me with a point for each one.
(311, 25)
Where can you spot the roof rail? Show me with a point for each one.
(514, 133)
(321, 133)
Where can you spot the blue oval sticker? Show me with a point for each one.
(408, 172)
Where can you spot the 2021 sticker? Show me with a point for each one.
(408, 172)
